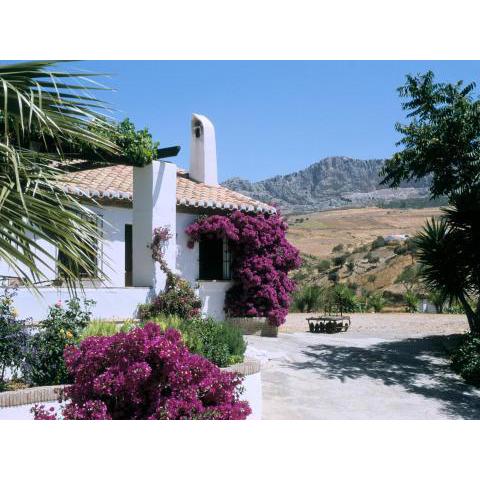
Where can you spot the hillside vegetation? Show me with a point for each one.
(317, 233)
(348, 247)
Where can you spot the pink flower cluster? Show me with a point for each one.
(262, 258)
(146, 374)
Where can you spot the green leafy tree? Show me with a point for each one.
(409, 278)
(441, 144)
(44, 113)
(133, 147)
(340, 298)
(442, 140)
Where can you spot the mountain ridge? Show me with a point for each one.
(332, 182)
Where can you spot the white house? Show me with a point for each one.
(132, 201)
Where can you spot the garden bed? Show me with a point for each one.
(250, 368)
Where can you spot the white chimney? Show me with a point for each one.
(203, 151)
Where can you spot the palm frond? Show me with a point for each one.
(44, 112)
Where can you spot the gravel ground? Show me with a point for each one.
(387, 366)
(389, 325)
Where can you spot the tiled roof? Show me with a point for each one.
(115, 182)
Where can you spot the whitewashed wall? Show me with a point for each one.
(111, 253)
(112, 302)
(114, 221)
(115, 300)
(187, 258)
(212, 295)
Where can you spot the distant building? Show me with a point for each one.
(396, 238)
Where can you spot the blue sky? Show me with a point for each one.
(270, 117)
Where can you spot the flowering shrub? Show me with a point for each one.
(146, 374)
(161, 236)
(44, 364)
(262, 258)
(178, 297)
(13, 336)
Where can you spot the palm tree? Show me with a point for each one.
(46, 116)
(449, 254)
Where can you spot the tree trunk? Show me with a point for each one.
(473, 317)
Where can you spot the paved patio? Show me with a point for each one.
(365, 373)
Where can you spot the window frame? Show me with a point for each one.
(226, 261)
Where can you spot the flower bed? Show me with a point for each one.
(250, 369)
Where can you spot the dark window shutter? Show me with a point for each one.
(128, 255)
(211, 259)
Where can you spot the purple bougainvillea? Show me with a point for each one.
(262, 258)
(146, 374)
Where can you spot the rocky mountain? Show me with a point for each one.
(334, 182)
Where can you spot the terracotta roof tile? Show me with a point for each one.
(116, 182)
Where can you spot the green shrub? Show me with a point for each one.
(298, 276)
(455, 308)
(127, 325)
(219, 342)
(350, 266)
(400, 250)
(352, 286)
(178, 298)
(99, 328)
(307, 299)
(338, 248)
(323, 265)
(333, 276)
(377, 302)
(371, 258)
(105, 328)
(236, 344)
(189, 337)
(378, 243)
(44, 363)
(339, 298)
(466, 359)
(360, 249)
(411, 302)
(339, 261)
(363, 304)
(438, 299)
(13, 337)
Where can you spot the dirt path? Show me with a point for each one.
(390, 325)
(370, 372)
